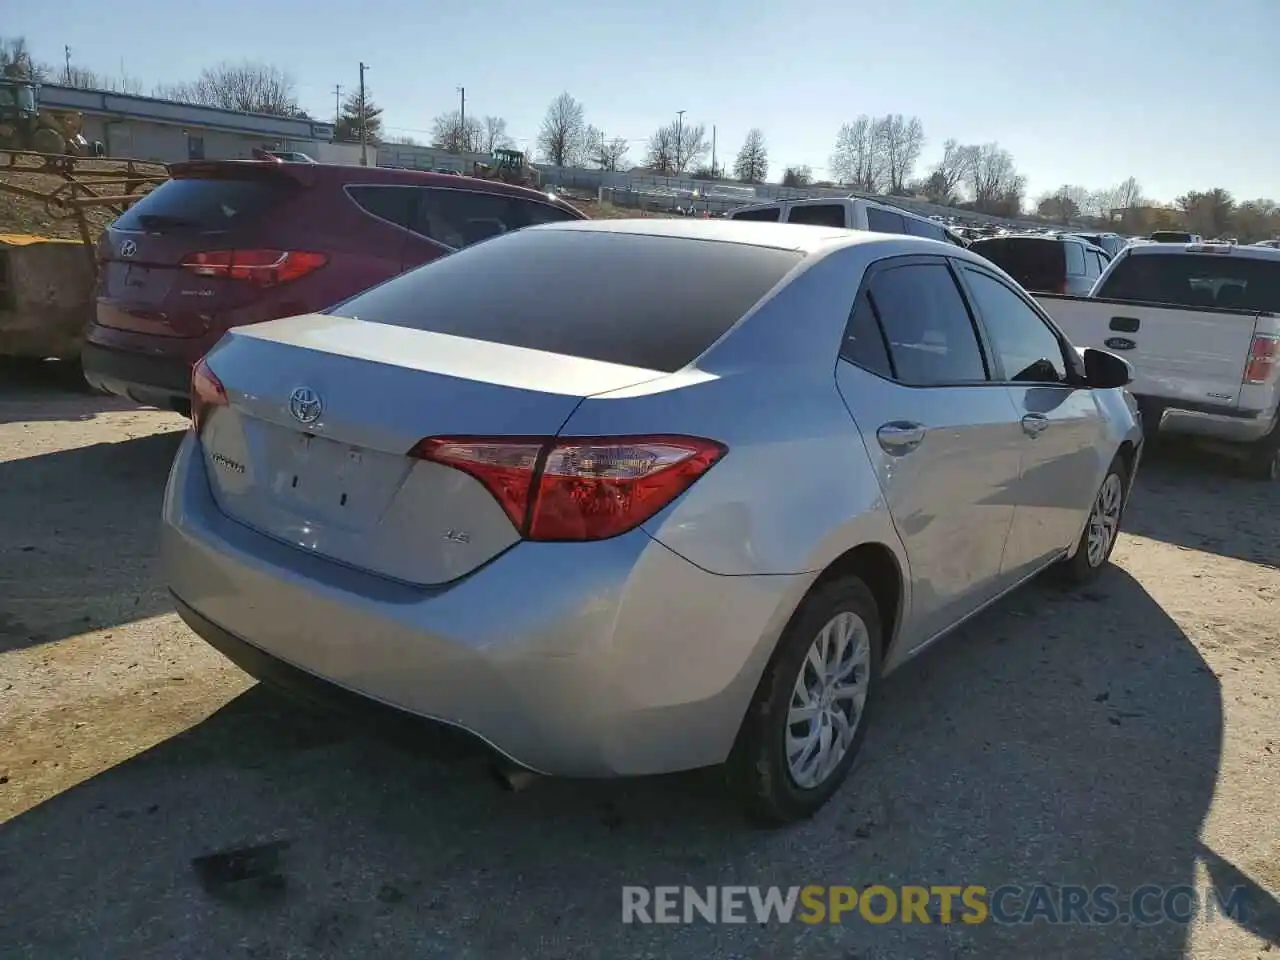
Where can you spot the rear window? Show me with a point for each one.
(1197, 280)
(1036, 264)
(766, 214)
(643, 301)
(204, 204)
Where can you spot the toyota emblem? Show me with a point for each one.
(128, 248)
(305, 405)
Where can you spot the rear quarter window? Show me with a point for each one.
(766, 215)
(205, 204)
(884, 221)
(1075, 259)
(818, 215)
(643, 301)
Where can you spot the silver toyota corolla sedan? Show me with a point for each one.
(627, 497)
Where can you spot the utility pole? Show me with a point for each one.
(679, 138)
(714, 175)
(67, 52)
(364, 138)
(463, 140)
(337, 107)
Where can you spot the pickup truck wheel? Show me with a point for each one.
(1102, 529)
(1264, 462)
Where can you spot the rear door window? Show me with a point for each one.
(205, 204)
(393, 204)
(931, 336)
(923, 228)
(459, 218)
(1223, 281)
(884, 221)
(1075, 259)
(643, 301)
(818, 214)
(765, 214)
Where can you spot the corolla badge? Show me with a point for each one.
(128, 249)
(305, 405)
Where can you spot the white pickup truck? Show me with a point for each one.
(1200, 323)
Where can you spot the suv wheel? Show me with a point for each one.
(807, 720)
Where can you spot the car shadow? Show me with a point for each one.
(1059, 738)
(33, 390)
(1188, 498)
(81, 539)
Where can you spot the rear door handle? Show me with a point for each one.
(1034, 424)
(900, 437)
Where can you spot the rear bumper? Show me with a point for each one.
(153, 381)
(1231, 428)
(601, 659)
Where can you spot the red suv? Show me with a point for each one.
(226, 243)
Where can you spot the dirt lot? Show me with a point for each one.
(1127, 735)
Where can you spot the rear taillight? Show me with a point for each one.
(577, 488)
(263, 268)
(206, 392)
(1264, 355)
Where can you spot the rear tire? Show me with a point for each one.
(1263, 462)
(1101, 530)
(805, 725)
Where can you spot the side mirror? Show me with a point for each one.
(1105, 370)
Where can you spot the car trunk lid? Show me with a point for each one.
(313, 445)
(196, 246)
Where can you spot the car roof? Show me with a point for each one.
(802, 238)
(341, 174)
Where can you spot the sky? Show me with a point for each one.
(1179, 93)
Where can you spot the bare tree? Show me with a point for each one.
(1128, 194)
(450, 132)
(16, 60)
(562, 138)
(605, 154)
(248, 86)
(800, 176)
(858, 159)
(752, 163)
(84, 79)
(660, 152)
(495, 134)
(994, 180)
(1064, 204)
(942, 185)
(900, 141)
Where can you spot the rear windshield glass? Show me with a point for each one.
(644, 301)
(196, 204)
(1034, 263)
(1197, 280)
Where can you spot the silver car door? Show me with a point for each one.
(1061, 423)
(945, 441)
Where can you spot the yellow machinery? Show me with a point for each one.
(25, 126)
(509, 166)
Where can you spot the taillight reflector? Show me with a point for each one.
(1264, 354)
(577, 488)
(264, 268)
(206, 392)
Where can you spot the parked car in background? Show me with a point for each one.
(232, 242)
(592, 492)
(849, 213)
(1174, 236)
(1111, 243)
(1201, 325)
(1065, 265)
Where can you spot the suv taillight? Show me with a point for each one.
(1264, 354)
(263, 268)
(206, 392)
(577, 488)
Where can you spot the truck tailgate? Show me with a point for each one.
(1179, 354)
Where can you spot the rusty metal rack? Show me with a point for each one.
(87, 182)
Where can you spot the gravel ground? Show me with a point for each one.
(1126, 735)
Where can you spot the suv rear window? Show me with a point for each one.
(765, 214)
(1037, 264)
(205, 204)
(1197, 280)
(643, 301)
